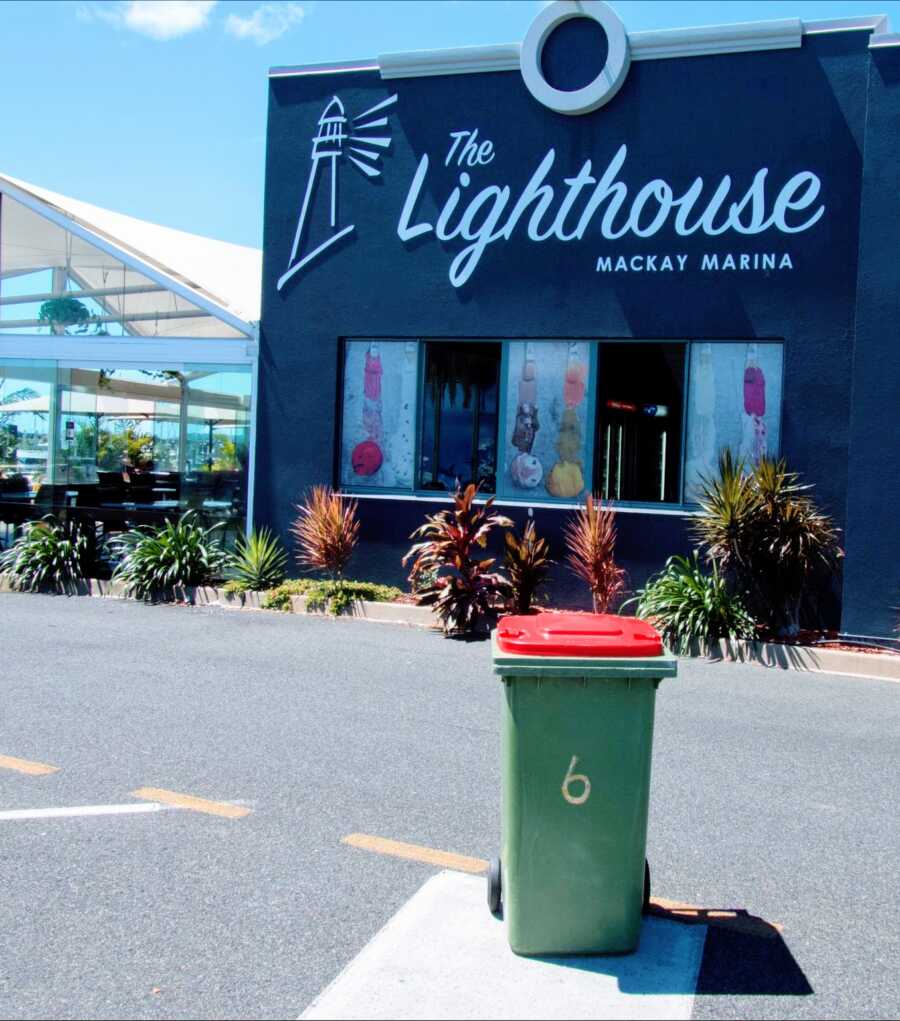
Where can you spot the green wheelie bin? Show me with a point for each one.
(579, 692)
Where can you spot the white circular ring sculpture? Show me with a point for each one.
(611, 77)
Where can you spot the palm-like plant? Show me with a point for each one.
(761, 527)
(50, 555)
(462, 588)
(154, 561)
(527, 564)
(258, 562)
(687, 603)
(590, 536)
(326, 530)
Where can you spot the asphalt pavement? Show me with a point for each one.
(773, 792)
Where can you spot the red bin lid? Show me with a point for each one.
(602, 635)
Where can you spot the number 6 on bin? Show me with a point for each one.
(570, 778)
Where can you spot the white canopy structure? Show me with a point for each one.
(128, 276)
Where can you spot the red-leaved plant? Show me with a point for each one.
(445, 574)
(591, 542)
(326, 530)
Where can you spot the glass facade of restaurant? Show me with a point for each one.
(123, 446)
(110, 409)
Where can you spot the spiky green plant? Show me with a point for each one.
(527, 564)
(258, 562)
(50, 555)
(687, 603)
(764, 531)
(326, 530)
(590, 536)
(155, 561)
(464, 590)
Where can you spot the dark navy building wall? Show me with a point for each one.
(872, 572)
(790, 111)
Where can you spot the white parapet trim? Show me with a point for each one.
(743, 37)
(878, 24)
(702, 41)
(459, 60)
(332, 67)
(875, 23)
(884, 40)
(786, 33)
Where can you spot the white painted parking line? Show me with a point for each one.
(64, 813)
(443, 956)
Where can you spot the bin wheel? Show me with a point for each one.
(494, 887)
(646, 905)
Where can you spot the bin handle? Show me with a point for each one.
(585, 632)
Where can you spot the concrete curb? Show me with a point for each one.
(387, 613)
(208, 595)
(805, 658)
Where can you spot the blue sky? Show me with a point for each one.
(157, 108)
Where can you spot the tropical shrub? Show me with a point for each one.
(685, 603)
(258, 562)
(154, 561)
(464, 590)
(590, 536)
(51, 555)
(334, 597)
(527, 564)
(338, 596)
(279, 598)
(763, 530)
(326, 530)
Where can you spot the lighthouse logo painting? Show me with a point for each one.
(362, 140)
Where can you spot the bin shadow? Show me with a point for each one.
(742, 955)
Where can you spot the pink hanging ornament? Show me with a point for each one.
(372, 377)
(574, 386)
(754, 391)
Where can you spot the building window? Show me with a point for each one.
(548, 426)
(460, 415)
(734, 402)
(640, 389)
(379, 409)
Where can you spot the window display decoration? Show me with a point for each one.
(566, 479)
(735, 402)
(526, 470)
(367, 457)
(379, 411)
(754, 439)
(546, 387)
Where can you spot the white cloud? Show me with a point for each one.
(159, 19)
(269, 21)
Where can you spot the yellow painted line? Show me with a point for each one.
(24, 766)
(737, 919)
(188, 801)
(415, 852)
